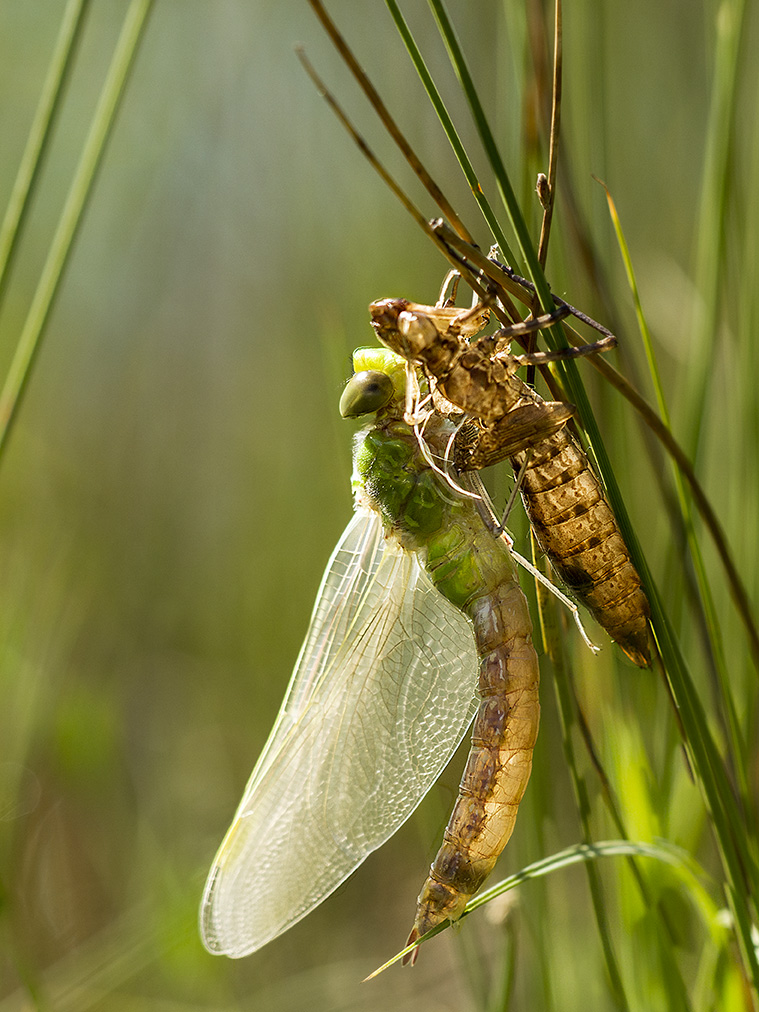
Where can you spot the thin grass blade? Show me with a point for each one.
(39, 134)
(71, 216)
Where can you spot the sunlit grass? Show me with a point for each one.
(199, 487)
(727, 814)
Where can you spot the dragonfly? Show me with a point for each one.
(564, 499)
(419, 627)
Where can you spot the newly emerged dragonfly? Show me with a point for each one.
(418, 595)
(564, 500)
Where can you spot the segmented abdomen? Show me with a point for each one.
(576, 528)
(475, 571)
(477, 574)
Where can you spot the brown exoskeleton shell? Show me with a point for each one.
(563, 497)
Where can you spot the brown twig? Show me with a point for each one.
(546, 187)
(483, 287)
(366, 151)
(387, 120)
(553, 145)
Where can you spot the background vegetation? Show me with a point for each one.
(178, 476)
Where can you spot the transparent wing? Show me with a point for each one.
(381, 695)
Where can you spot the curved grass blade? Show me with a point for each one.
(555, 862)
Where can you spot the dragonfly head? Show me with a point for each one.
(379, 380)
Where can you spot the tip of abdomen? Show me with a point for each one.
(636, 648)
(632, 635)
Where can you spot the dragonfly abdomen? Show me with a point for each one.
(505, 727)
(576, 528)
(474, 570)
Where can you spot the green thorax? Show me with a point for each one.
(424, 512)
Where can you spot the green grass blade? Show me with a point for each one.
(707, 598)
(728, 824)
(503, 182)
(71, 215)
(39, 134)
(582, 852)
(451, 133)
(577, 854)
(710, 237)
(566, 717)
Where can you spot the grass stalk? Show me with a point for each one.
(436, 100)
(561, 673)
(710, 233)
(707, 598)
(39, 135)
(71, 215)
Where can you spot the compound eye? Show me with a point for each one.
(365, 393)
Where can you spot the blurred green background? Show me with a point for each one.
(178, 476)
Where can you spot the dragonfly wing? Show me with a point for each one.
(381, 695)
(349, 573)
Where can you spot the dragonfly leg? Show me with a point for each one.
(603, 344)
(528, 326)
(514, 492)
(489, 516)
(451, 280)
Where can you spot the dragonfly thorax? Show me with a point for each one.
(397, 481)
